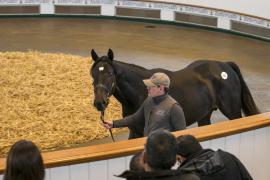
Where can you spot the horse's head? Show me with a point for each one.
(104, 79)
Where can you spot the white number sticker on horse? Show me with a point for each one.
(101, 68)
(224, 75)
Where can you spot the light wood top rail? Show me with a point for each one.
(206, 7)
(129, 147)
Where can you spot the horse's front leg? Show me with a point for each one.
(135, 132)
(205, 120)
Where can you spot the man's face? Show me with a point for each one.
(154, 91)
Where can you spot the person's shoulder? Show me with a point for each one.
(227, 155)
(190, 176)
(187, 175)
(161, 174)
(129, 174)
(169, 97)
(176, 106)
(173, 101)
(224, 153)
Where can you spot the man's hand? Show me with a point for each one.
(108, 124)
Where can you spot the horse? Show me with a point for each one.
(200, 88)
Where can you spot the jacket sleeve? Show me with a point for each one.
(131, 120)
(242, 169)
(178, 121)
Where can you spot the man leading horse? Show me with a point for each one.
(201, 88)
(159, 110)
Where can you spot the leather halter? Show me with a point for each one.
(109, 91)
(113, 87)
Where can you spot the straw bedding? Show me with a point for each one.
(48, 99)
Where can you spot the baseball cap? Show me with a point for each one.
(157, 79)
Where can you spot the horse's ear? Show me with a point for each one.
(94, 55)
(110, 54)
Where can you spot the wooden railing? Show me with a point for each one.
(129, 147)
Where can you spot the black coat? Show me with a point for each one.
(158, 175)
(215, 165)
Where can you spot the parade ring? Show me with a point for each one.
(46, 93)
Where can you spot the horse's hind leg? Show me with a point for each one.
(205, 120)
(229, 94)
(231, 109)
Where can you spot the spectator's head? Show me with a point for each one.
(24, 162)
(136, 163)
(188, 145)
(160, 150)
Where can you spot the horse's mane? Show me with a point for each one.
(139, 69)
(128, 67)
(125, 66)
(133, 69)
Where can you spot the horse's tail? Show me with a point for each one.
(248, 105)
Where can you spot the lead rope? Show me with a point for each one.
(102, 119)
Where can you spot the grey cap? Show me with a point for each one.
(157, 79)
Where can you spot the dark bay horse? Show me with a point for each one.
(200, 88)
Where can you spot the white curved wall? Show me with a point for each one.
(259, 8)
(235, 16)
(251, 147)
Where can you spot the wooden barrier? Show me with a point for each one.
(129, 147)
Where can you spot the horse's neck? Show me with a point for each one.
(130, 89)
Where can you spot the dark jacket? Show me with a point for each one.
(161, 112)
(215, 165)
(156, 175)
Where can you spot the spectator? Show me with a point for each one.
(209, 164)
(158, 158)
(160, 151)
(158, 111)
(24, 162)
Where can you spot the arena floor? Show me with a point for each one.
(145, 44)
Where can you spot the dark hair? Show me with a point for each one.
(161, 149)
(188, 145)
(135, 163)
(24, 162)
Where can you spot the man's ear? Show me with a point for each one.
(94, 55)
(110, 54)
